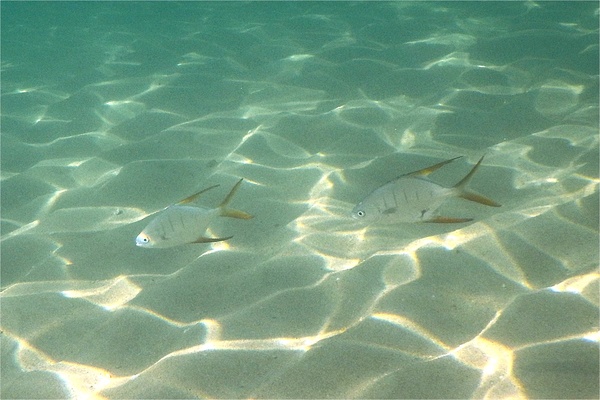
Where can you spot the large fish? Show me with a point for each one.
(414, 198)
(179, 224)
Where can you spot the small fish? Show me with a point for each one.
(179, 224)
(414, 198)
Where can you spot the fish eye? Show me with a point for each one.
(360, 213)
(142, 240)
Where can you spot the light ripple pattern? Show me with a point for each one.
(113, 111)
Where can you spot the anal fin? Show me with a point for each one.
(448, 220)
(203, 239)
(232, 213)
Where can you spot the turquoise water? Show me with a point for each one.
(113, 111)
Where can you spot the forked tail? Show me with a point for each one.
(461, 189)
(230, 212)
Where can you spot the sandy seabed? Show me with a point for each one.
(117, 111)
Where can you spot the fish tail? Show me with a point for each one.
(477, 198)
(462, 192)
(230, 212)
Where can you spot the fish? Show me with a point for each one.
(180, 224)
(414, 198)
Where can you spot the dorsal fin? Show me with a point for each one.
(429, 170)
(196, 195)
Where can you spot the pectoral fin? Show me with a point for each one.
(448, 220)
(203, 239)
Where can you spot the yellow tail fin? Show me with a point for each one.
(462, 192)
(230, 212)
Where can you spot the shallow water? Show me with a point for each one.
(113, 111)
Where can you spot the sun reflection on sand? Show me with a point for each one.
(116, 294)
(314, 111)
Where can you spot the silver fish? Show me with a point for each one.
(179, 224)
(414, 198)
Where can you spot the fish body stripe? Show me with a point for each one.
(418, 198)
(175, 222)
